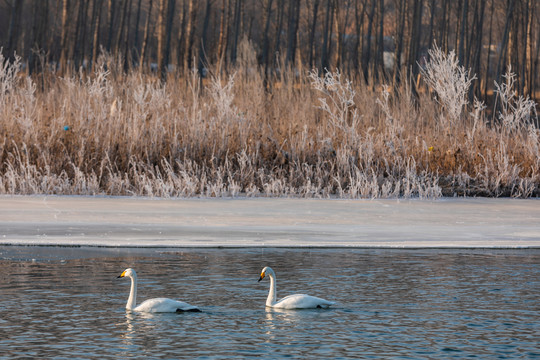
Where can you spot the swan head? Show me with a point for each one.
(129, 272)
(267, 269)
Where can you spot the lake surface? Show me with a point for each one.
(65, 303)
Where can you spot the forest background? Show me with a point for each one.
(315, 98)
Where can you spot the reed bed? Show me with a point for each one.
(310, 135)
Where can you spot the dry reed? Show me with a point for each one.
(310, 135)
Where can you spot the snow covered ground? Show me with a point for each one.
(136, 222)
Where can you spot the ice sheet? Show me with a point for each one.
(143, 222)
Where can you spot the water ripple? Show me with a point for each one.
(399, 304)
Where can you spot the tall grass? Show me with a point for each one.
(311, 135)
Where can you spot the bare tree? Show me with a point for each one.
(39, 25)
(111, 12)
(145, 36)
(168, 31)
(223, 24)
(327, 37)
(203, 43)
(380, 41)
(292, 30)
(359, 24)
(402, 11)
(14, 26)
(342, 24)
(487, 35)
(266, 41)
(96, 21)
(312, 32)
(64, 36)
(414, 44)
(505, 39)
(478, 30)
(137, 21)
(236, 32)
(366, 53)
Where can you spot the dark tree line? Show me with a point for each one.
(374, 39)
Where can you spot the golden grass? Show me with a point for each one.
(314, 135)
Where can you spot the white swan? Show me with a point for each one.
(297, 301)
(152, 305)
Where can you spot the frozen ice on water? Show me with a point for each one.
(241, 222)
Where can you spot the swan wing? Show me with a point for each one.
(302, 301)
(158, 305)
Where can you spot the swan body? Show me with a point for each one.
(297, 301)
(156, 305)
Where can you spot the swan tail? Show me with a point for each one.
(187, 310)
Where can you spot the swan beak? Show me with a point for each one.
(121, 275)
(262, 277)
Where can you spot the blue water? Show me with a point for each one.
(67, 303)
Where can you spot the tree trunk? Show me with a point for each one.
(222, 26)
(203, 61)
(359, 24)
(504, 43)
(414, 46)
(312, 33)
(366, 54)
(486, 78)
(279, 27)
(162, 8)
(111, 14)
(470, 37)
(529, 51)
(145, 37)
(479, 30)
(187, 39)
(535, 68)
(85, 30)
(168, 32)
(39, 27)
(513, 44)
(137, 21)
(294, 12)
(120, 32)
(228, 31)
(14, 30)
(525, 45)
(80, 23)
(325, 60)
(462, 27)
(431, 22)
(266, 37)
(236, 33)
(444, 26)
(380, 43)
(64, 36)
(127, 52)
(342, 26)
(191, 38)
(399, 46)
(96, 20)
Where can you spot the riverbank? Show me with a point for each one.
(316, 135)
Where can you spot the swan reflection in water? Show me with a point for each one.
(140, 329)
(129, 334)
(279, 323)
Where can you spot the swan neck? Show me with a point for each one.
(271, 300)
(132, 300)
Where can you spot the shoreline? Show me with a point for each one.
(118, 222)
